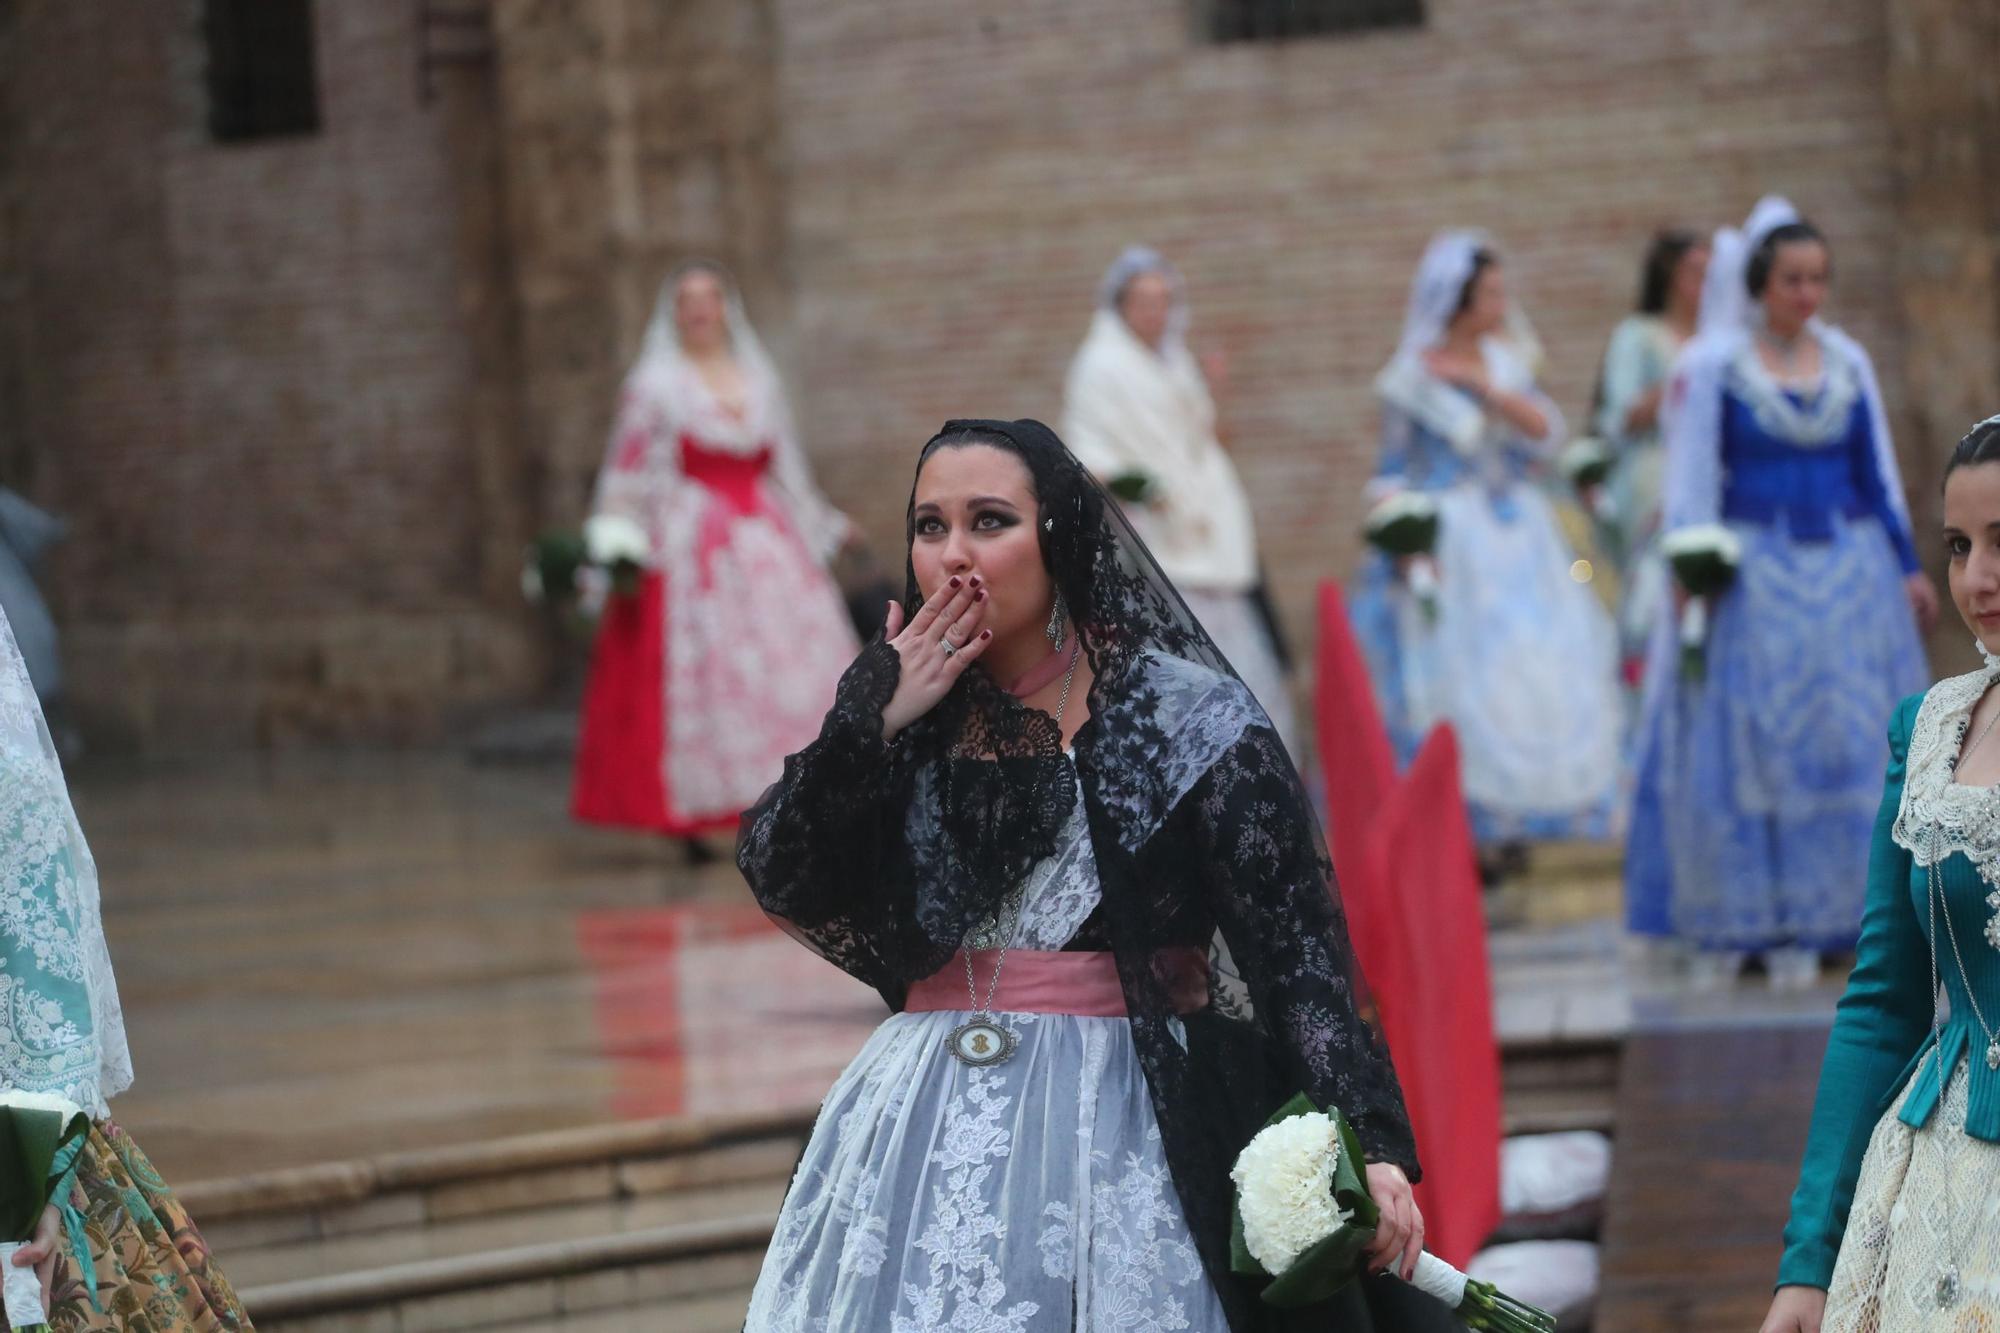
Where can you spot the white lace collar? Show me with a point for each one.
(1938, 816)
(1824, 416)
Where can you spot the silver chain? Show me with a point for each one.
(1021, 902)
(1951, 934)
(1949, 1279)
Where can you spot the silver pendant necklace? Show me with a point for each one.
(983, 1040)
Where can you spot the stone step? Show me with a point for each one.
(645, 1225)
(705, 1262)
(602, 1165)
(332, 1256)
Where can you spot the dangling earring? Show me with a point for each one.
(1057, 615)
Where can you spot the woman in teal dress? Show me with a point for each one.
(1895, 1226)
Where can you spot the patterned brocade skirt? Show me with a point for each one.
(153, 1271)
(1928, 1200)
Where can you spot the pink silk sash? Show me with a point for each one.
(1083, 984)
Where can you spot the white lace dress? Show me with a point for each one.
(1025, 1197)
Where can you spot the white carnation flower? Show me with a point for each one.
(611, 538)
(1284, 1181)
(18, 1099)
(1400, 506)
(1713, 539)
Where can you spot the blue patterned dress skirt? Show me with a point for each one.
(1520, 658)
(1758, 783)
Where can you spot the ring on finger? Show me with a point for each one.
(948, 648)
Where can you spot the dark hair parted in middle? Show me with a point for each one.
(1482, 259)
(1757, 275)
(1669, 247)
(1981, 444)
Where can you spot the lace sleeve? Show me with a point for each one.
(815, 848)
(1280, 917)
(641, 471)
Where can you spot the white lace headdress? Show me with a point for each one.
(61, 1028)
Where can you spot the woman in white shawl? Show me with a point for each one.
(1758, 783)
(1138, 413)
(722, 659)
(114, 1250)
(1517, 655)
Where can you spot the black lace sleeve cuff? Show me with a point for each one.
(853, 726)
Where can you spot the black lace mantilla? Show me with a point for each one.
(1218, 898)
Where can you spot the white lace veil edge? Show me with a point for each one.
(1692, 419)
(661, 358)
(1435, 290)
(1131, 262)
(86, 1059)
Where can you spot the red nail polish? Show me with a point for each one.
(986, 634)
(975, 580)
(954, 581)
(979, 596)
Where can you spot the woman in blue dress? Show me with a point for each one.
(1517, 655)
(1757, 781)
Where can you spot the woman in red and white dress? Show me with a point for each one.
(707, 675)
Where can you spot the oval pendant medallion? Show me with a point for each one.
(981, 1042)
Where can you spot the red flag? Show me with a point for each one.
(1354, 752)
(1436, 997)
(1359, 768)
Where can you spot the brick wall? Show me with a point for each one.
(960, 174)
(246, 373)
(305, 398)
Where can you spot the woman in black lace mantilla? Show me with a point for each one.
(1050, 825)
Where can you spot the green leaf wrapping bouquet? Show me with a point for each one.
(1133, 487)
(1304, 1219)
(1586, 465)
(1404, 526)
(1704, 558)
(34, 1130)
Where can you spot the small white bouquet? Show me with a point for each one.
(616, 543)
(1304, 1219)
(1586, 466)
(1404, 526)
(34, 1130)
(1704, 559)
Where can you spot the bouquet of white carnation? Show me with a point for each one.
(1404, 526)
(617, 545)
(1304, 1219)
(1704, 559)
(34, 1129)
(1586, 466)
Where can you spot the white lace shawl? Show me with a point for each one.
(1939, 817)
(61, 1028)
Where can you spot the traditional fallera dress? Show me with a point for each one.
(724, 658)
(1908, 1197)
(1134, 410)
(1519, 657)
(130, 1258)
(1756, 784)
(1639, 359)
(1042, 1140)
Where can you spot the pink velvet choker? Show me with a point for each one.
(1047, 671)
